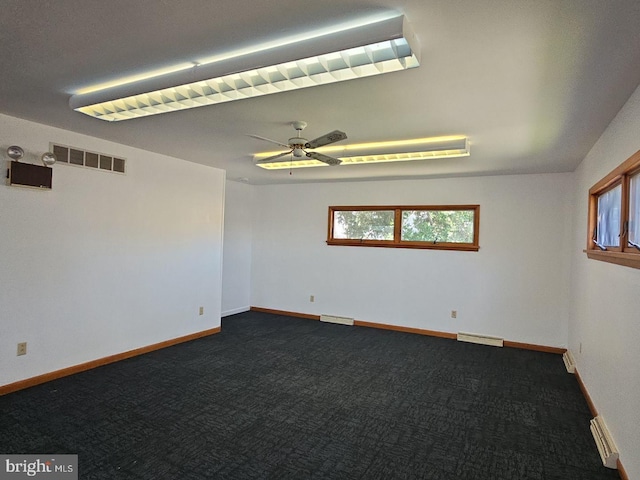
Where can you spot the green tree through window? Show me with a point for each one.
(365, 224)
(446, 227)
(452, 226)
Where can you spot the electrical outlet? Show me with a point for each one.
(201, 311)
(454, 314)
(312, 298)
(22, 348)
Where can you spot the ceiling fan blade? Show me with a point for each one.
(332, 161)
(326, 139)
(273, 157)
(268, 140)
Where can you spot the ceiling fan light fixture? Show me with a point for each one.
(381, 47)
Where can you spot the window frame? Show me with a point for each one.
(397, 242)
(625, 254)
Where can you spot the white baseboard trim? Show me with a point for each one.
(236, 310)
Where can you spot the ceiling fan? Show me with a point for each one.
(299, 147)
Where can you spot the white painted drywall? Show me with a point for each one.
(236, 270)
(515, 287)
(104, 263)
(605, 301)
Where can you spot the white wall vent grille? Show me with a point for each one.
(606, 448)
(335, 319)
(82, 158)
(569, 362)
(481, 339)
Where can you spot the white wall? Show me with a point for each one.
(104, 263)
(605, 301)
(236, 270)
(515, 287)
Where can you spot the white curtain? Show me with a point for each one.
(609, 217)
(634, 209)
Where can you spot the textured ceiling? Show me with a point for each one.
(533, 84)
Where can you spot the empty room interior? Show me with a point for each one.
(335, 239)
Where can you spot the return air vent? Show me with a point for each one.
(82, 158)
(481, 339)
(335, 319)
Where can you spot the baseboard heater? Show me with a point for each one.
(336, 319)
(606, 448)
(481, 339)
(569, 362)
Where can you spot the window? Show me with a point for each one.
(442, 227)
(614, 216)
(363, 225)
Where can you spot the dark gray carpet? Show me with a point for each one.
(284, 398)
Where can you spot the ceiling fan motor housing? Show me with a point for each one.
(298, 145)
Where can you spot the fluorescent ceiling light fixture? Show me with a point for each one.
(372, 49)
(450, 147)
(412, 144)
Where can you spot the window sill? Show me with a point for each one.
(416, 245)
(619, 258)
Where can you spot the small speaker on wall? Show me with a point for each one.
(29, 175)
